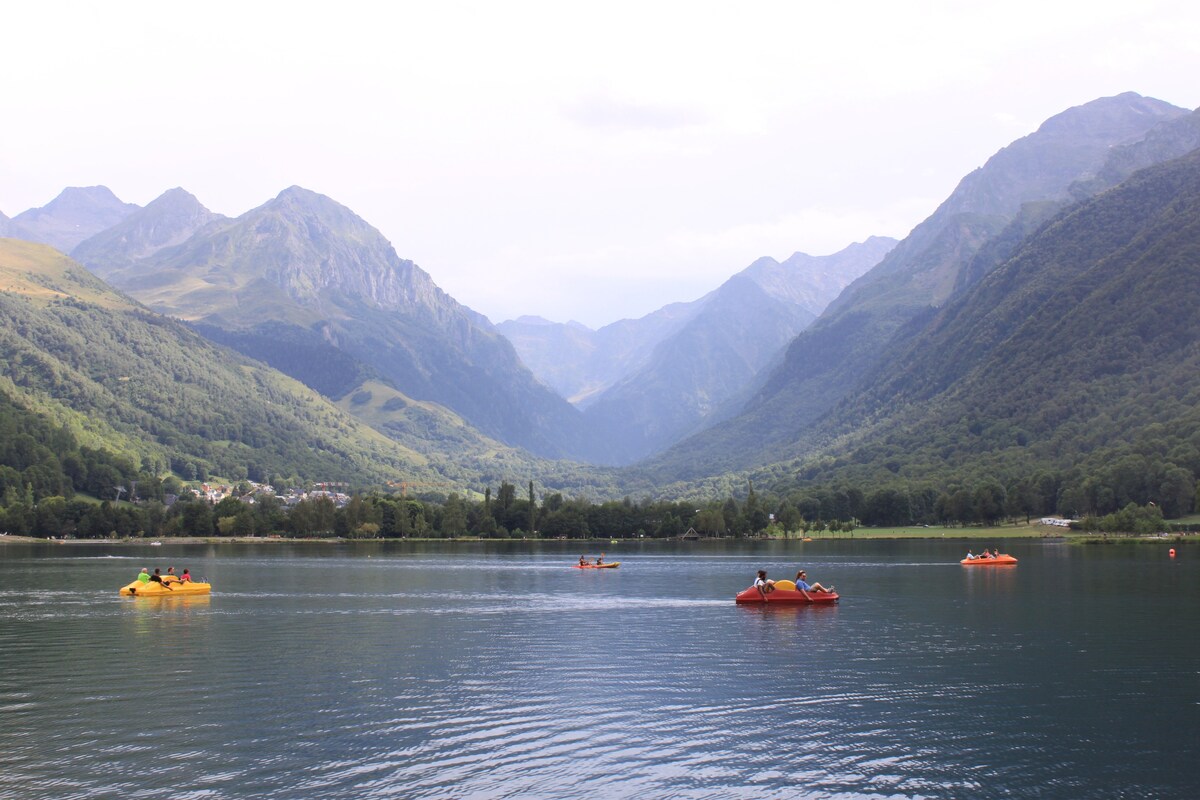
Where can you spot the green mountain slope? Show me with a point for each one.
(977, 226)
(1081, 343)
(1069, 376)
(129, 381)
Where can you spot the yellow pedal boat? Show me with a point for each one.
(170, 587)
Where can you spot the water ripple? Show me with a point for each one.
(491, 675)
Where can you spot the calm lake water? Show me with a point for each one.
(498, 671)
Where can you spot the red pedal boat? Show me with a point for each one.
(785, 592)
(995, 561)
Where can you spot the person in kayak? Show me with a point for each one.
(583, 561)
(763, 584)
(600, 560)
(803, 585)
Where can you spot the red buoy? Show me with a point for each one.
(1171, 552)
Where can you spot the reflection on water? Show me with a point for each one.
(499, 671)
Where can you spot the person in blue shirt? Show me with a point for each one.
(803, 585)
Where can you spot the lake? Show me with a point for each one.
(445, 670)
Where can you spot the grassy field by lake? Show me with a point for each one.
(1008, 531)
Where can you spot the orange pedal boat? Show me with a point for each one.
(785, 592)
(1004, 559)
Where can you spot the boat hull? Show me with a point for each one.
(613, 565)
(786, 596)
(998, 561)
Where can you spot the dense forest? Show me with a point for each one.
(50, 486)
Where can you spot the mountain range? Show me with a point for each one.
(644, 384)
(978, 227)
(75, 215)
(307, 286)
(1004, 335)
(1071, 370)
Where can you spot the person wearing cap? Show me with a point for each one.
(803, 585)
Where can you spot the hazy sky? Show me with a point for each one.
(587, 161)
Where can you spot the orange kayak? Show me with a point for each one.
(995, 561)
(611, 565)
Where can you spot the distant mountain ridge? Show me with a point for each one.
(169, 220)
(76, 214)
(645, 383)
(8, 228)
(580, 363)
(696, 375)
(149, 389)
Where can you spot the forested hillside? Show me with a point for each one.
(987, 216)
(144, 388)
(1067, 380)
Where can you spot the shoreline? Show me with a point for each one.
(957, 535)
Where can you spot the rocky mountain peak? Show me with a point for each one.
(168, 220)
(310, 244)
(75, 215)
